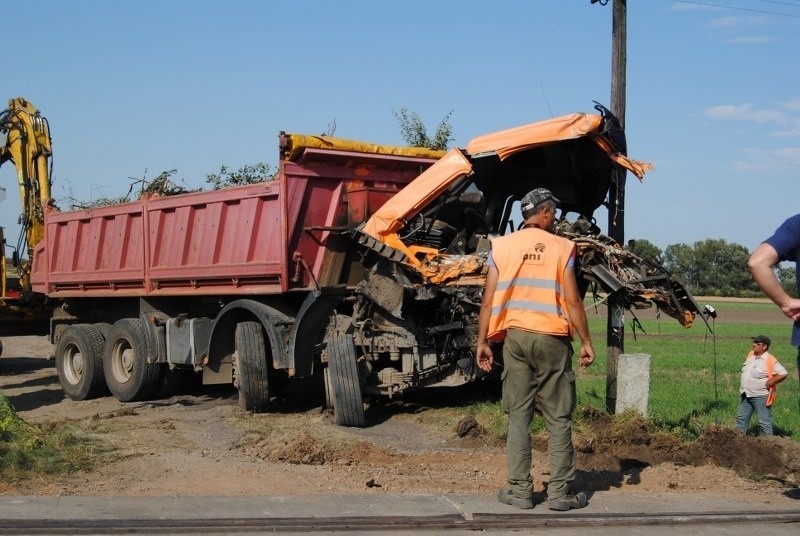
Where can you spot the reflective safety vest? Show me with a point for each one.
(770, 373)
(530, 286)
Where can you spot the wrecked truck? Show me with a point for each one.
(361, 263)
(412, 319)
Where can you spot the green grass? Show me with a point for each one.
(694, 374)
(29, 450)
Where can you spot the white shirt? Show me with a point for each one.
(754, 375)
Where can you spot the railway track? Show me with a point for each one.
(487, 523)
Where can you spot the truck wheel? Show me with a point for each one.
(103, 327)
(250, 372)
(79, 362)
(348, 407)
(128, 374)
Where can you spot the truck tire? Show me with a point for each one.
(103, 327)
(251, 369)
(348, 407)
(128, 374)
(79, 362)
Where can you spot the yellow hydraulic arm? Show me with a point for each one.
(28, 146)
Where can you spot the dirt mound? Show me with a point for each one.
(297, 448)
(300, 447)
(611, 453)
(630, 445)
(470, 427)
(770, 457)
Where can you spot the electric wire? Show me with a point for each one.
(738, 8)
(780, 2)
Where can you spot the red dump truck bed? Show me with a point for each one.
(259, 239)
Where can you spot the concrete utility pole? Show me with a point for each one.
(616, 195)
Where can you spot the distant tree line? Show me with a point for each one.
(712, 267)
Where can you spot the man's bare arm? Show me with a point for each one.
(778, 378)
(484, 353)
(762, 267)
(577, 316)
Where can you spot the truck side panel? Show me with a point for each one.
(96, 250)
(227, 241)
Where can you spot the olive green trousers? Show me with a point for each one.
(538, 371)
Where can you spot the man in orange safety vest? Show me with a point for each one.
(532, 304)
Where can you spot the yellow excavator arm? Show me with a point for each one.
(28, 146)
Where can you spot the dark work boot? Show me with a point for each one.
(570, 501)
(506, 496)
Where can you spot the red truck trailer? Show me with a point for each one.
(227, 281)
(364, 262)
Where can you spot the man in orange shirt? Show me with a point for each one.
(531, 302)
(761, 372)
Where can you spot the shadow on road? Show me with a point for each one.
(36, 399)
(13, 366)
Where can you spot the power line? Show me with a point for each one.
(795, 3)
(722, 6)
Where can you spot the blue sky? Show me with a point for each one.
(134, 88)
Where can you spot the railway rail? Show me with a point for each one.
(487, 523)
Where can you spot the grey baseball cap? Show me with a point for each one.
(536, 197)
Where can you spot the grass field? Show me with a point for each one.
(694, 373)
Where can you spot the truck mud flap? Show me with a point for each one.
(311, 320)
